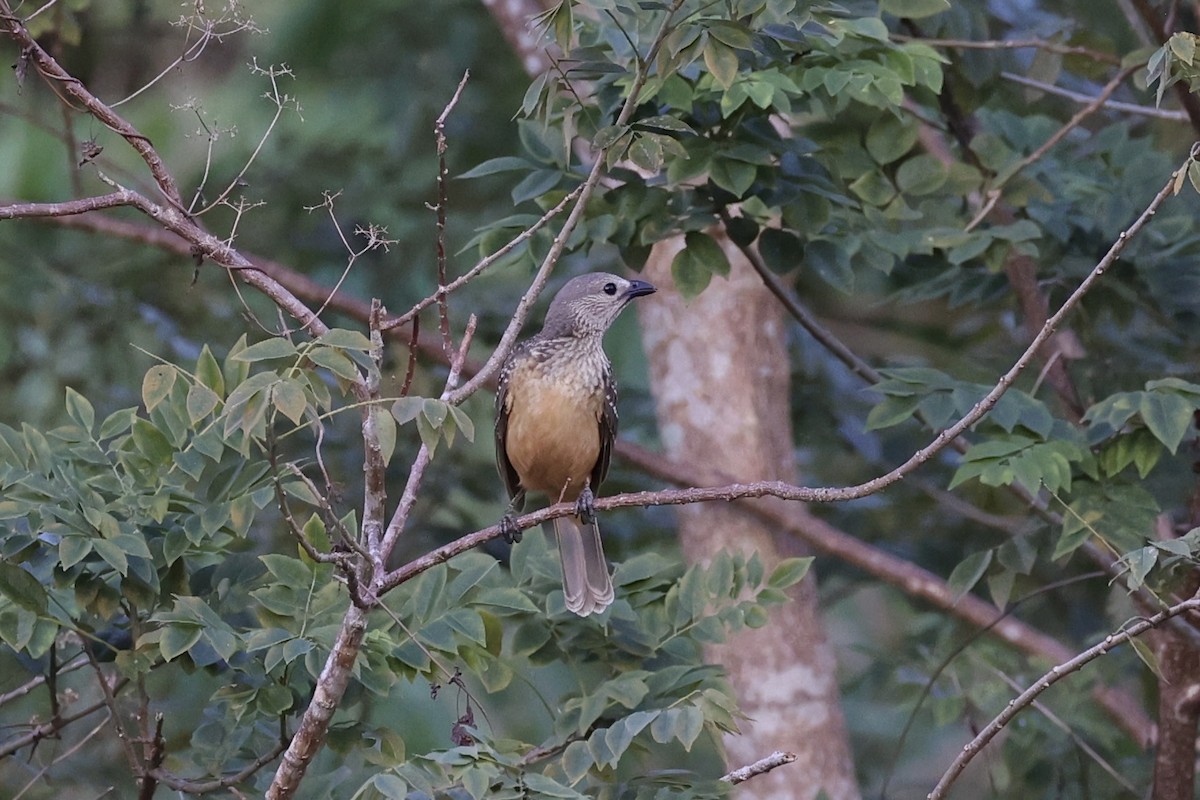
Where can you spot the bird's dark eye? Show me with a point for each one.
(610, 288)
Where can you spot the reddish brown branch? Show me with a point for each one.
(59, 79)
(439, 133)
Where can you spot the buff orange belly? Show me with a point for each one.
(553, 438)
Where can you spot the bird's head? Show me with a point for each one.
(588, 304)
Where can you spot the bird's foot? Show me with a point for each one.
(509, 529)
(585, 507)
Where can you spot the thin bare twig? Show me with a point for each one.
(57, 77)
(61, 757)
(1092, 107)
(51, 728)
(1112, 105)
(282, 101)
(411, 369)
(468, 276)
(439, 133)
(110, 700)
(1078, 740)
(34, 683)
(1013, 44)
(1057, 673)
(560, 242)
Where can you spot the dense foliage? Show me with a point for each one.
(891, 161)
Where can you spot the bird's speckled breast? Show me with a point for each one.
(553, 439)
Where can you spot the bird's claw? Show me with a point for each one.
(509, 529)
(585, 507)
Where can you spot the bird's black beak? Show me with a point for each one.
(639, 288)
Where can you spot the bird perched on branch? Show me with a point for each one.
(556, 419)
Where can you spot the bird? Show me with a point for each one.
(556, 420)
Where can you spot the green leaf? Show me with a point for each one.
(831, 263)
(874, 188)
(390, 786)
(1168, 416)
(73, 548)
(704, 248)
(1140, 562)
(117, 423)
(789, 572)
(265, 350)
(577, 761)
(406, 409)
(152, 442)
(1000, 586)
(80, 410)
(288, 397)
(434, 411)
(620, 735)
(734, 34)
(345, 340)
(1174, 385)
(892, 411)
(690, 276)
(156, 385)
(464, 422)
(647, 153)
(608, 136)
(208, 371)
(335, 361)
(782, 251)
(22, 588)
(1122, 516)
(735, 177)
(177, 640)
(689, 727)
(1183, 46)
(201, 401)
(921, 175)
(112, 553)
(496, 165)
(889, 138)
(314, 531)
(535, 184)
(914, 9)
(722, 62)
(968, 572)
(665, 123)
(385, 430)
(694, 265)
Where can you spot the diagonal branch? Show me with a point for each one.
(786, 491)
(560, 242)
(1056, 673)
(58, 78)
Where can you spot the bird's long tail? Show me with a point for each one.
(586, 585)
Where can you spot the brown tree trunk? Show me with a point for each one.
(719, 372)
(1178, 716)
